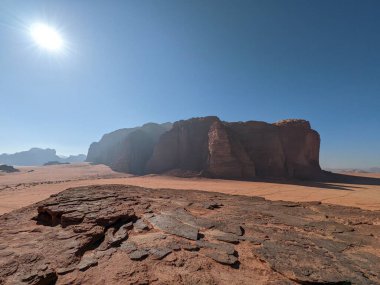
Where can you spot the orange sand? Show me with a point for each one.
(21, 189)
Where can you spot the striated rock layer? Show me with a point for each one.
(114, 234)
(213, 148)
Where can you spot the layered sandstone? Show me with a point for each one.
(210, 147)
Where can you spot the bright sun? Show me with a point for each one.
(46, 37)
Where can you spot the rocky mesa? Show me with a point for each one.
(213, 148)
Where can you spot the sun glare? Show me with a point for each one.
(46, 37)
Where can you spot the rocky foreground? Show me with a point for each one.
(115, 234)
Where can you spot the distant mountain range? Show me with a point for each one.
(38, 156)
(356, 170)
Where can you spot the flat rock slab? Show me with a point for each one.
(160, 253)
(222, 257)
(226, 237)
(87, 262)
(221, 247)
(174, 226)
(144, 236)
(140, 226)
(128, 247)
(138, 254)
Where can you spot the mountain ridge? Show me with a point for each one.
(37, 156)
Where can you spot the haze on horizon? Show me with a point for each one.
(132, 62)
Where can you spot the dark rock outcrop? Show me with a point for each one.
(139, 236)
(55, 163)
(127, 150)
(213, 148)
(8, 168)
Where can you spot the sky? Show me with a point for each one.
(126, 63)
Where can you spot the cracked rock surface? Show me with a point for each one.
(115, 234)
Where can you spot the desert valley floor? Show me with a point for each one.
(33, 184)
(112, 228)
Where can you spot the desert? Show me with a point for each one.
(199, 201)
(24, 188)
(202, 142)
(194, 228)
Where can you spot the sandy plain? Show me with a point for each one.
(33, 184)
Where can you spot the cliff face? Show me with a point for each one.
(106, 151)
(212, 148)
(219, 149)
(301, 148)
(288, 148)
(227, 157)
(184, 147)
(127, 150)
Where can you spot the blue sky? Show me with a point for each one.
(131, 62)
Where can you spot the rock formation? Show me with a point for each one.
(183, 147)
(127, 150)
(116, 234)
(239, 150)
(55, 163)
(38, 156)
(8, 168)
(213, 148)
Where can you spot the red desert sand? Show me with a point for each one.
(33, 184)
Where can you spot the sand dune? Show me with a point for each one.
(26, 187)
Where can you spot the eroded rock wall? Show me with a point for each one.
(184, 147)
(263, 145)
(210, 147)
(301, 148)
(127, 150)
(227, 157)
(239, 150)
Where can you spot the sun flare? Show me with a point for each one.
(46, 37)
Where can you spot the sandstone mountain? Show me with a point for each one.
(37, 156)
(210, 147)
(129, 149)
